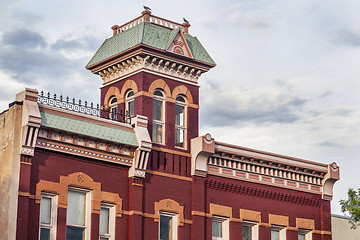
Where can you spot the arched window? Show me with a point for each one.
(180, 121)
(113, 108)
(158, 117)
(130, 103)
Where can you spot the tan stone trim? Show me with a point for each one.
(268, 225)
(197, 213)
(322, 232)
(184, 91)
(235, 220)
(26, 163)
(188, 221)
(112, 91)
(169, 205)
(129, 84)
(191, 105)
(278, 220)
(220, 210)
(26, 194)
(171, 151)
(169, 175)
(292, 229)
(250, 215)
(143, 93)
(161, 84)
(305, 223)
(80, 180)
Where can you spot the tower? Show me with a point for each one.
(150, 67)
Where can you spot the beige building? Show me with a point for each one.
(341, 228)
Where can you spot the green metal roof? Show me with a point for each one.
(87, 128)
(148, 34)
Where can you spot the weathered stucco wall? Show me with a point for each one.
(341, 229)
(10, 131)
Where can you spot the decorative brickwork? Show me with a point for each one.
(239, 189)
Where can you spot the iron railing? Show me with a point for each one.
(83, 107)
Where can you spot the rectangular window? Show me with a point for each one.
(78, 214)
(107, 222)
(220, 228)
(278, 232)
(180, 124)
(168, 226)
(250, 230)
(48, 216)
(304, 234)
(158, 121)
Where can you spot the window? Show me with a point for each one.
(304, 234)
(180, 122)
(168, 226)
(130, 103)
(278, 233)
(113, 108)
(48, 216)
(158, 117)
(250, 231)
(107, 222)
(78, 215)
(220, 228)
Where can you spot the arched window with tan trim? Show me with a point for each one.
(113, 108)
(180, 121)
(130, 103)
(158, 117)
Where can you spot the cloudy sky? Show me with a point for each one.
(286, 79)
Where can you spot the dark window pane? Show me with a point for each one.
(216, 229)
(165, 227)
(74, 233)
(158, 93)
(132, 108)
(179, 115)
(180, 99)
(157, 110)
(130, 94)
(246, 233)
(301, 236)
(44, 234)
(179, 138)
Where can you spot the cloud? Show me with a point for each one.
(348, 37)
(330, 144)
(236, 106)
(23, 38)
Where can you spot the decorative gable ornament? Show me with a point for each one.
(179, 45)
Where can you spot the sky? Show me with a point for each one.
(286, 79)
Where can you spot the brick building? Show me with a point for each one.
(136, 168)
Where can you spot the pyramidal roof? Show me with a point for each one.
(152, 35)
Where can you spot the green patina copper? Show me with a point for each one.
(87, 128)
(151, 35)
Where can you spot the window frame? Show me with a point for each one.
(254, 229)
(306, 232)
(129, 100)
(225, 227)
(87, 211)
(112, 107)
(53, 214)
(179, 127)
(174, 222)
(160, 122)
(112, 218)
(281, 231)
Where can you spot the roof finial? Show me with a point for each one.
(146, 13)
(186, 25)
